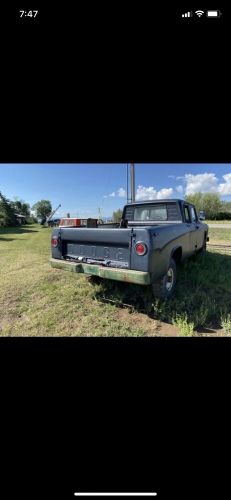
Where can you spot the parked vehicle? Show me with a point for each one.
(77, 222)
(53, 222)
(152, 238)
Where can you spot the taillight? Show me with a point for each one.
(54, 242)
(141, 248)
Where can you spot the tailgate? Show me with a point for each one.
(110, 247)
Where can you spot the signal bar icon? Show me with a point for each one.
(187, 14)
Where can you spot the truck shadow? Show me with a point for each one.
(203, 292)
(12, 239)
(7, 239)
(16, 230)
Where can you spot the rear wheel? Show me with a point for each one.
(203, 248)
(165, 287)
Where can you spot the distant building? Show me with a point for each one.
(21, 219)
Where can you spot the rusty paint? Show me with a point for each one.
(129, 276)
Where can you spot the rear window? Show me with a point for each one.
(151, 213)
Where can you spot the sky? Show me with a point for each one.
(82, 189)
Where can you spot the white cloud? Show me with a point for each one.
(205, 183)
(121, 193)
(149, 193)
(225, 188)
(200, 182)
(164, 193)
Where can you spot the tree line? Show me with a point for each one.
(10, 209)
(212, 205)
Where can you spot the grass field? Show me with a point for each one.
(221, 235)
(36, 300)
(218, 222)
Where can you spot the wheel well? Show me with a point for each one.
(177, 254)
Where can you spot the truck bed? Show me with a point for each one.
(114, 247)
(108, 247)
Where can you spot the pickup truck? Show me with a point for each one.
(144, 248)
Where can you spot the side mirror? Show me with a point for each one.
(201, 215)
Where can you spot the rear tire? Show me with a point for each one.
(203, 249)
(165, 287)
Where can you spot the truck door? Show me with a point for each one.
(189, 218)
(194, 232)
(199, 236)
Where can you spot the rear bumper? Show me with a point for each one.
(127, 275)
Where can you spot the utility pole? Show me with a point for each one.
(100, 212)
(132, 180)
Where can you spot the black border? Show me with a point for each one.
(113, 415)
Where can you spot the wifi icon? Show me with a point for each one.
(199, 13)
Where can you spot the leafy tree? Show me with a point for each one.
(197, 200)
(7, 212)
(209, 202)
(31, 220)
(117, 215)
(226, 206)
(212, 204)
(21, 207)
(43, 209)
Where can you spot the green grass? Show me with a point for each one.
(219, 234)
(218, 222)
(185, 328)
(226, 323)
(37, 300)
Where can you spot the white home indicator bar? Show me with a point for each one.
(153, 494)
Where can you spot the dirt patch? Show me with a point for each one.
(152, 327)
(211, 332)
(167, 330)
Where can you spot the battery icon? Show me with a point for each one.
(213, 13)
